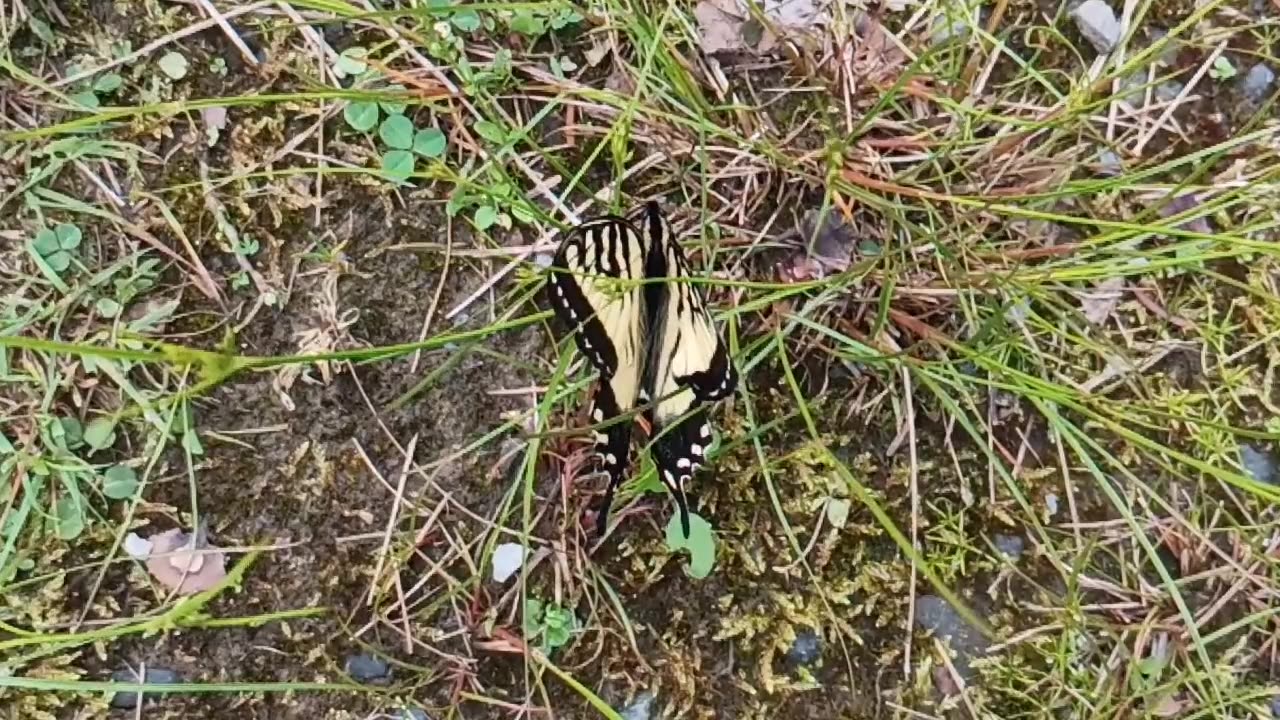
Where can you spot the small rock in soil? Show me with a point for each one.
(1169, 55)
(935, 614)
(641, 708)
(1133, 86)
(1098, 23)
(1051, 504)
(367, 668)
(1275, 707)
(1109, 163)
(806, 649)
(411, 714)
(152, 676)
(1257, 83)
(1168, 92)
(1259, 463)
(1011, 546)
(945, 29)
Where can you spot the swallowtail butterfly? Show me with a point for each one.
(621, 284)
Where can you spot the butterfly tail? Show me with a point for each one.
(675, 485)
(678, 452)
(613, 446)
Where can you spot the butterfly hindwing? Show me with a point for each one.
(613, 445)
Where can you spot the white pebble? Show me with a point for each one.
(137, 546)
(1098, 23)
(507, 559)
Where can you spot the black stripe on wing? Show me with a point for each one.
(564, 289)
(718, 381)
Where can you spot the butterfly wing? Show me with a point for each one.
(594, 288)
(688, 365)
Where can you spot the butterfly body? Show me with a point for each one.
(651, 339)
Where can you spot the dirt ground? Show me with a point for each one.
(310, 463)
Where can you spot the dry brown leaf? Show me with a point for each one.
(185, 563)
(597, 52)
(1169, 706)
(832, 249)
(1181, 204)
(620, 80)
(719, 26)
(728, 24)
(876, 54)
(795, 14)
(1098, 304)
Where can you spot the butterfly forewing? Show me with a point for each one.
(595, 288)
(687, 364)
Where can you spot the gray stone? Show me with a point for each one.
(411, 714)
(152, 676)
(1011, 546)
(367, 668)
(641, 708)
(1133, 86)
(1275, 706)
(1168, 92)
(806, 649)
(935, 614)
(1109, 163)
(1257, 83)
(1260, 464)
(1098, 23)
(947, 28)
(1169, 55)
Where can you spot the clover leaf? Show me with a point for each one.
(701, 543)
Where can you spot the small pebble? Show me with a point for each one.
(1168, 57)
(411, 714)
(641, 708)
(1017, 312)
(1259, 464)
(507, 559)
(935, 614)
(806, 649)
(1275, 706)
(1168, 92)
(1098, 23)
(137, 546)
(1011, 546)
(1051, 504)
(367, 668)
(945, 29)
(152, 676)
(1109, 163)
(1257, 83)
(1133, 86)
